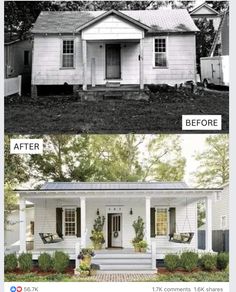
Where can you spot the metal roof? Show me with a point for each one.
(162, 20)
(113, 185)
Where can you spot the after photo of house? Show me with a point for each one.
(114, 66)
(124, 207)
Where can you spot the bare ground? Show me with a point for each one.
(64, 114)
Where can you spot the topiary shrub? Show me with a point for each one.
(208, 262)
(45, 262)
(171, 262)
(25, 262)
(189, 260)
(60, 261)
(10, 262)
(222, 260)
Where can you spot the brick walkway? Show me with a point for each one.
(121, 277)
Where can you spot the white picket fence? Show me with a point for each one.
(12, 85)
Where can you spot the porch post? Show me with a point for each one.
(208, 223)
(84, 53)
(148, 223)
(83, 221)
(22, 227)
(141, 64)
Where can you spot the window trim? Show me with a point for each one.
(61, 53)
(168, 221)
(153, 53)
(64, 221)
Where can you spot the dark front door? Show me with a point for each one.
(113, 61)
(114, 230)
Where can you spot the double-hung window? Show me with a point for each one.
(70, 221)
(161, 227)
(160, 52)
(68, 54)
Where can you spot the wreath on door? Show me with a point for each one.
(115, 234)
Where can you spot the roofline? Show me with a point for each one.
(204, 4)
(118, 13)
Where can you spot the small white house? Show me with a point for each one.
(91, 48)
(69, 210)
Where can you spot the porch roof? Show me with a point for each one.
(155, 21)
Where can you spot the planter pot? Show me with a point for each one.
(93, 272)
(84, 274)
(97, 246)
(86, 260)
(143, 249)
(136, 249)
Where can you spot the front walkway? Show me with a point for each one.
(103, 277)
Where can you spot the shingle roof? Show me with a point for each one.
(176, 20)
(114, 186)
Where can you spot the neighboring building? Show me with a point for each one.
(17, 57)
(126, 47)
(68, 210)
(11, 234)
(206, 11)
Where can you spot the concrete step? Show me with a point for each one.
(123, 256)
(124, 267)
(113, 84)
(122, 261)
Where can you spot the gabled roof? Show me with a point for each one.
(114, 186)
(205, 5)
(173, 20)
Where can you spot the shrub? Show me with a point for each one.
(171, 262)
(10, 262)
(222, 261)
(208, 262)
(60, 261)
(189, 260)
(45, 262)
(25, 262)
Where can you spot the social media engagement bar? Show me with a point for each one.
(201, 122)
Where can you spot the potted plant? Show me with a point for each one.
(93, 269)
(97, 236)
(84, 270)
(85, 255)
(138, 226)
(142, 245)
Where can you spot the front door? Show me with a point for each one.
(113, 61)
(115, 230)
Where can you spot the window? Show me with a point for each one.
(31, 227)
(161, 221)
(26, 58)
(68, 54)
(223, 222)
(160, 59)
(70, 221)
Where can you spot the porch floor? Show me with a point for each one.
(104, 88)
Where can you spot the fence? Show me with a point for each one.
(12, 86)
(220, 240)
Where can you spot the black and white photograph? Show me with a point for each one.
(114, 66)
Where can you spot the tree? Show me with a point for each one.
(219, 6)
(213, 169)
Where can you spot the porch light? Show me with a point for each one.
(131, 211)
(100, 46)
(98, 213)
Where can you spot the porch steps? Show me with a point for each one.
(120, 262)
(112, 84)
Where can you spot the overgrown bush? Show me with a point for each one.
(60, 261)
(10, 262)
(222, 260)
(25, 262)
(208, 262)
(189, 260)
(171, 262)
(45, 262)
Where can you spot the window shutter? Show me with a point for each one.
(59, 221)
(152, 215)
(78, 220)
(172, 214)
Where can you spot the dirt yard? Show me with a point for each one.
(64, 114)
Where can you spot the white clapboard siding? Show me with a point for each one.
(180, 58)
(220, 208)
(110, 28)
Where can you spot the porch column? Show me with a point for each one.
(208, 223)
(84, 53)
(83, 221)
(141, 64)
(22, 227)
(148, 223)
